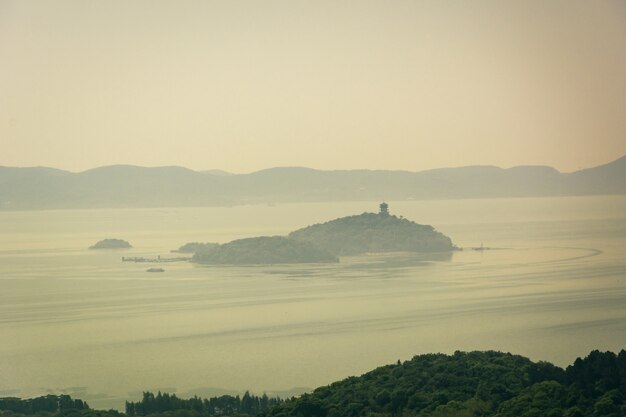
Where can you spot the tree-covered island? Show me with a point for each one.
(352, 235)
(264, 250)
(374, 233)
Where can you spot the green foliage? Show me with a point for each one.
(169, 405)
(66, 413)
(263, 250)
(39, 405)
(540, 399)
(371, 232)
(474, 384)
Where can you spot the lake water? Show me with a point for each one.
(553, 287)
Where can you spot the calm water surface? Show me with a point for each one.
(72, 320)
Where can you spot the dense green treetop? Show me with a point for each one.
(87, 412)
(263, 250)
(373, 232)
(169, 405)
(473, 384)
(40, 405)
(111, 244)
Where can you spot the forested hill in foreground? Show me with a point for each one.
(473, 384)
(131, 186)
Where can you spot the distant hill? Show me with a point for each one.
(263, 250)
(131, 186)
(605, 179)
(373, 232)
(218, 172)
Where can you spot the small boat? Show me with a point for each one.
(481, 247)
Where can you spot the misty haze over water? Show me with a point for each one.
(131, 129)
(83, 322)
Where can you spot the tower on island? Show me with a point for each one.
(384, 209)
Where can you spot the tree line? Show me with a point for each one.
(465, 384)
(225, 405)
(44, 404)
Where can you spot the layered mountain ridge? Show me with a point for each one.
(132, 186)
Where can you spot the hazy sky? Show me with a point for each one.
(246, 85)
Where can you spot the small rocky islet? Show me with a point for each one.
(111, 244)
